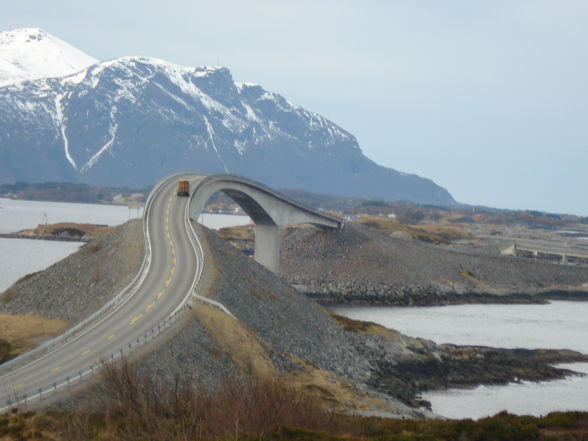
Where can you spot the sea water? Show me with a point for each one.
(557, 325)
(16, 215)
(19, 257)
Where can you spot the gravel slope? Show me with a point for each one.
(78, 285)
(296, 331)
(363, 265)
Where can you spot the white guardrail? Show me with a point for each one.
(94, 319)
(21, 400)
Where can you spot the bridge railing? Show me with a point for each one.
(101, 313)
(20, 401)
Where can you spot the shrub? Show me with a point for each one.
(8, 295)
(132, 405)
(92, 248)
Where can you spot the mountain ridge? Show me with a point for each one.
(132, 120)
(32, 53)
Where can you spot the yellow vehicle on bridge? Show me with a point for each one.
(183, 188)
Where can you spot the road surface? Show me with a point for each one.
(168, 283)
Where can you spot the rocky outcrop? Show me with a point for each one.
(363, 265)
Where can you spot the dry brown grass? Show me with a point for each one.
(24, 332)
(449, 232)
(331, 391)
(468, 275)
(277, 425)
(9, 294)
(88, 229)
(435, 233)
(133, 406)
(245, 348)
(92, 248)
(364, 327)
(96, 276)
(242, 232)
(239, 342)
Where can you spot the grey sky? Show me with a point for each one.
(489, 98)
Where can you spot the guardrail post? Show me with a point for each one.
(40, 393)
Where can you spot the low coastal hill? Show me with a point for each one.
(274, 331)
(361, 264)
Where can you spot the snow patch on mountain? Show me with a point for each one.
(32, 53)
(60, 120)
(106, 147)
(133, 120)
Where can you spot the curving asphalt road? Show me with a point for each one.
(168, 281)
(160, 293)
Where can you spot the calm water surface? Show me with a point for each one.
(558, 325)
(19, 215)
(23, 256)
(19, 257)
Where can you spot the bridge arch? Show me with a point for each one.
(269, 210)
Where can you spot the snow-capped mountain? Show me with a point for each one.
(31, 53)
(132, 121)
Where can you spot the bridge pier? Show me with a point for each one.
(269, 210)
(267, 246)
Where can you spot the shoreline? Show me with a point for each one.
(51, 238)
(441, 299)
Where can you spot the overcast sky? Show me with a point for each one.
(489, 98)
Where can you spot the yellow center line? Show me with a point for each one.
(173, 270)
(149, 306)
(167, 282)
(135, 319)
(86, 352)
(17, 386)
(56, 368)
(160, 294)
(174, 260)
(111, 336)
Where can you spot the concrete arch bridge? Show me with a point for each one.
(269, 210)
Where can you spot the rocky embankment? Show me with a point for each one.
(78, 285)
(273, 330)
(357, 366)
(363, 265)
